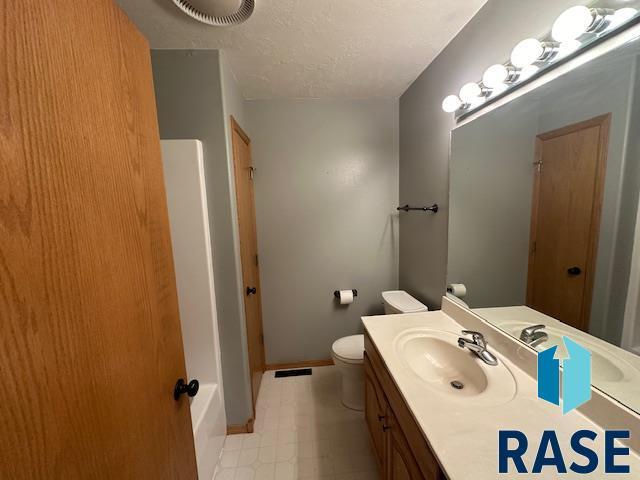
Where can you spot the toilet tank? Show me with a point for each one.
(399, 301)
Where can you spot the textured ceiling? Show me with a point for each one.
(317, 48)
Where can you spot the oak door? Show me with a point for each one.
(244, 175)
(90, 342)
(565, 225)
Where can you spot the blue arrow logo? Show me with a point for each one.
(575, 379)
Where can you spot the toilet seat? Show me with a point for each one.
(349, 349)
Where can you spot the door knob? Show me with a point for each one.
(252, 290)
(574, 271)
(182, 387)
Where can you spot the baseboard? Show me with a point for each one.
(238, 429)
(305, 364)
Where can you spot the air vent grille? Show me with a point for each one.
(243, 13)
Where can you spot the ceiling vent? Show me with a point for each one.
(219, 13)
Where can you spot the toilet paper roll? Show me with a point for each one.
(345, 297)
(457, 289)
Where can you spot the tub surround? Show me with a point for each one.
(456, 427)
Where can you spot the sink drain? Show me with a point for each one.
(457, 385)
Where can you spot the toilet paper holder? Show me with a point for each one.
(337, 293)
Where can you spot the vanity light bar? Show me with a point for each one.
(572, 30)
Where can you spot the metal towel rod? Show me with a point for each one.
(433, 208)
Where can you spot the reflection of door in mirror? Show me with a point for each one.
(565, 220)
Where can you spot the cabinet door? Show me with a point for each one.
(400, 463)
(375, 412)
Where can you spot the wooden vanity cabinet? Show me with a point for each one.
(400, 448)
(376, 411)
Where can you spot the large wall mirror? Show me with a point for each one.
(544, 222)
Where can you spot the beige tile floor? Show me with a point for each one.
(302, 431)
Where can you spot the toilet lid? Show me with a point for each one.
(349, 348)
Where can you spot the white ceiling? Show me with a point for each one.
(317, 48)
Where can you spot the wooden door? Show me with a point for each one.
(244, 174)
(401, 464)
(375, 412)
(565, 225)
(90, 343)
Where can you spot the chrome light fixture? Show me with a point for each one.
(574, 28)
(499, 75)
(576, 21)
(532, 50)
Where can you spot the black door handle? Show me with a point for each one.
(182, 387)
(252, 290)
(574, 271)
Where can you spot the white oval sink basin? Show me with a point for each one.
(435, 358)
(605, 367)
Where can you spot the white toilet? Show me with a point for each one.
(348, 352)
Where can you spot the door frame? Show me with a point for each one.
(235, 127)
(604, 122)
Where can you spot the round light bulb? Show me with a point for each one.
(495, 76)
(470, 92)
(451, 103)
(572, 23)
(621, 16)
(567, 48)
(527, 52)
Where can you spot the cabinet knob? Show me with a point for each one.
(385, 428)
(381, 417)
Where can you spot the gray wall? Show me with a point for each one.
(326, 192)
(425, 129)
(621, 269)
(490, 207)
(189, 96)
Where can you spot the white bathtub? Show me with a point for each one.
(209, 427)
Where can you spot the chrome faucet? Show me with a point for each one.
(478, 345)
(533, 336)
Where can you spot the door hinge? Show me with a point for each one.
(538, 165)
(252, 173)
(262, 338)
(257, 260)
(533, 248)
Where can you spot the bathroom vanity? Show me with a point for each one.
(400, 447)
(434, 410)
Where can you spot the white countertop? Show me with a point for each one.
(463, 436)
